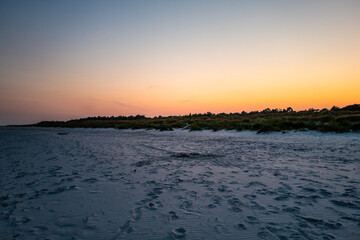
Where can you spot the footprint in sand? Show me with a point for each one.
(153, 205)
(172, 216)
(136, 214)
(178, 233)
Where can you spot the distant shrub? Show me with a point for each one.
(356, 127)
(269, 127)
(269, 120)
(335, 127)
(194, 127)
(354, 107)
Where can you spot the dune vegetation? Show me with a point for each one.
(336, 119)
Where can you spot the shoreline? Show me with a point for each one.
(337, 120)
(27, 127)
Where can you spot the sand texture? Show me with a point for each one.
(126, 184)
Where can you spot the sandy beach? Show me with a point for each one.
(126, 184)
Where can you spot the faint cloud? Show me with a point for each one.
(122, 104)
(127, 105)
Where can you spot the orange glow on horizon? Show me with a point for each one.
(154, 61)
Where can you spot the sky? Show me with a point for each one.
(62, 60)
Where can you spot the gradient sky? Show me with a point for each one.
(67, 59)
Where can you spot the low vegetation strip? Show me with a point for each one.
(336, 119)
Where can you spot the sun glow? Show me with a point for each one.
(127, 58)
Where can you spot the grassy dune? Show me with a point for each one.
(337, 120)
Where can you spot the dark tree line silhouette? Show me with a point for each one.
(336, 119)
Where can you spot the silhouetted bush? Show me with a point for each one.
(194, 127)
(269, 120)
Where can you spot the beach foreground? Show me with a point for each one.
(138, 184)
